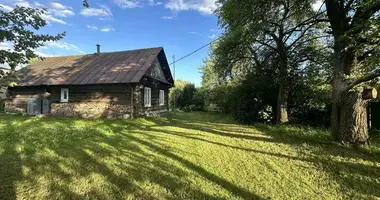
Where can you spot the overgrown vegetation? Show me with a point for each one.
(280, 60)
(186, 97)
(249, 92)
(186, 156)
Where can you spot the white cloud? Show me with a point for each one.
(57, 6)
(92, 27)
(152, 3)
(39, 5)
(5, 8)
(49, 18)
(168, 17)
(107, 29)
(102, 11)
(44, 54)
(62, 13)
(317, 5)
(5, 45)
(127, 3)
(55, 10)
(195, 33)
(62, 45)
(213, 36)
(60, 10)
(203, 6)
(21, 3)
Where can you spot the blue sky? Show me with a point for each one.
(180, 26)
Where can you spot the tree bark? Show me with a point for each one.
(349, 118)
(282, 100)
(354, 127)
(349, 109)
(335, 112)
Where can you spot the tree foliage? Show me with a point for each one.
(16, 28)
(305, 53)
(276, 33)
(355, 29)
(249, 95)
(85, 3)
(185, 96)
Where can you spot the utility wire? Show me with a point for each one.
(195, 51)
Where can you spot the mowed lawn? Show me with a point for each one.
(186, 156)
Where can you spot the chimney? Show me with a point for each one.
(98, 49)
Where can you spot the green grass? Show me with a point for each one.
(187, 156)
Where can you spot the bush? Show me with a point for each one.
(313, 117)
(186, 96)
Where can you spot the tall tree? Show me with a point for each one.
(280, 26)
(16, 28)
(355, 27)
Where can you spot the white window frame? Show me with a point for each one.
(162, 97)
(63, 90)
(147, 97)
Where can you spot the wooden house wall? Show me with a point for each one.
(155, 86)
(20, 95)
(113, 94)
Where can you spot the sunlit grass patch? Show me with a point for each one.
(182, 156)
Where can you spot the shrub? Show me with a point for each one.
(186, 96)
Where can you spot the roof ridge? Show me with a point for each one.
(150, 48)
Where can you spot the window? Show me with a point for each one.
(64, 95)
(147, 97)
(162, 98)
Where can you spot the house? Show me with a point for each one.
(115, 84)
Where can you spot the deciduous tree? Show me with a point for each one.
(17, 29)
(355, 26)
(280, 27)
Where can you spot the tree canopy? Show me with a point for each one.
(17, 28)
(311, 59)
(281, 34)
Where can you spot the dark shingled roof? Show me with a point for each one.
(113, 67)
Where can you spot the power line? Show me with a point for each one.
(194, 51)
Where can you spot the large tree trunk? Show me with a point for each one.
(282, 98)
(335, 113)
(349, 109)
(282, 112)
(349, 118)
(354, 128)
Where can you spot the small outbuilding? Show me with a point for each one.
(113, 84)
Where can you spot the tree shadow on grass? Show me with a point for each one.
(66, 156)
(356, 170)
(65, 161)
(10, 167)
(227, 130)
(236, 190)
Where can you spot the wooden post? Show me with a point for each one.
(174, 83)
(370, 93)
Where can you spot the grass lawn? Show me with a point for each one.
(187, 156)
